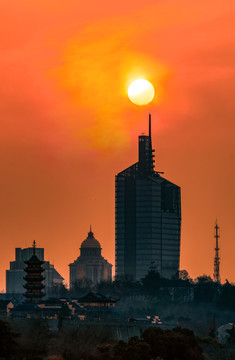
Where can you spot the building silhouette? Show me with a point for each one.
(34, 278)
(147, 218)
(90, 265)
(15, 275)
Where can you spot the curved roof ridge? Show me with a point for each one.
(90, 241)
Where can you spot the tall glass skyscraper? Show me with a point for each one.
(148, 218)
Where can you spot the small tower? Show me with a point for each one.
(34, 286)
(216, 274)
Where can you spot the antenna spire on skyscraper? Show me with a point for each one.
(151, 156)
(150, 135)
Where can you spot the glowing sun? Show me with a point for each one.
(141, 92)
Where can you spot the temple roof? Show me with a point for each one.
(90, 241)
(29, 306)
(96, 297)
(34, 260)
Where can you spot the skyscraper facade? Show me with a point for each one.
(147, 218)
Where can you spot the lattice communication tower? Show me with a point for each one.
(216, 274)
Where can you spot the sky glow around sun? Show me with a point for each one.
(141, 92)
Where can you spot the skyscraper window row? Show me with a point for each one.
(170, 236)
(143, 211)
(143, 198)
(148, 235)
(144, 265)
(142, 190)
(152, 242)
(141, 217)
(120, 207)
(120, 217)
(167, 237)
(142, 231)
(169, 265)
(120, 250)
(171, 253)
(120, 191)
(147, 250)
(169, 218)
(120, 199)
(144, 254)
(142, 227)
(155, 251)
(121, 238)
(154, 232)
(120, 212)
(147, 241)
(149, 193)
(121, 233)
(171, 243)
(153, 211)
(173, 229)
(143, 223)
(169, 226)
(119, 225)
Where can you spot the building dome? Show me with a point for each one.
(90, 242)
(90, 265)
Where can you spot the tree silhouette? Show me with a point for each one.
(8, 340)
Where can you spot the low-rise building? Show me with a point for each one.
(97, 306)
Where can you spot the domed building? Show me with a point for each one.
(90, 265)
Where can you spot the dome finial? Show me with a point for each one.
(90, 234)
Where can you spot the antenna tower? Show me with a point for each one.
(216, 274)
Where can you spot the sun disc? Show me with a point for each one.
(141, 92)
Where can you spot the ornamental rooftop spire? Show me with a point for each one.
(34, 246)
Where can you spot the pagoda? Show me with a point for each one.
(34, 279)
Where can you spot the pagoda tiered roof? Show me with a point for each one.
(34, 260)
(34, 280)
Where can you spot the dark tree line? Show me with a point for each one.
(204, 289)
(36, 342)
(159, 344)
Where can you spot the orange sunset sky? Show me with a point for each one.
(67, 125)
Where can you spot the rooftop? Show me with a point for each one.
(90, 241)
